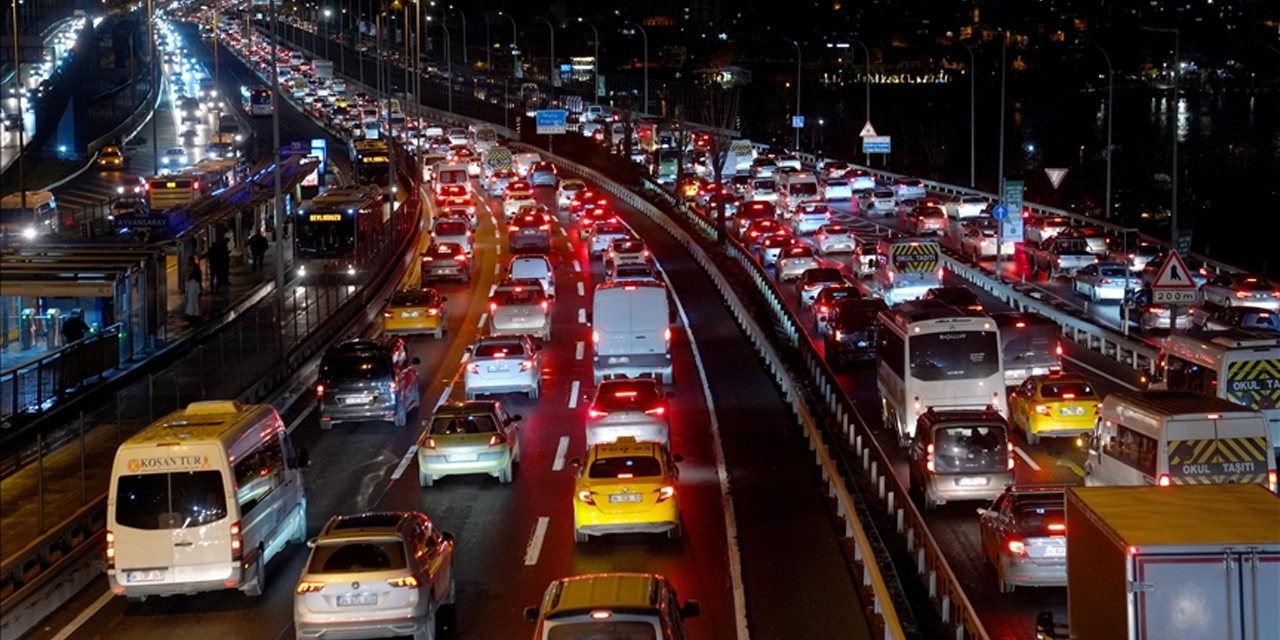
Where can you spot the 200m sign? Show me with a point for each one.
(1175, 296)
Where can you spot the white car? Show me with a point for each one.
(795, 261)
(881, 201)
(503, 364)
(603, 234)
(1238, 289)
(861, 180)
(905, 188)
(979, 243)
(1104, 281)
(515, 200)
(567, 189)
(453, 230)
(837, 189)
(833, 238)
(809, 217)
(534, 267)
(634, 407)
(813, 281)
(966, 207)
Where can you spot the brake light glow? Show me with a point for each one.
(600, 615)
(429, 443)
(473, 368)
(406, 581)
(1213, 416)
(595, 336)
(666, 334)
(928, 458)
(387, 314)
(493, 306)
(1164, 480)
(1042, 409)
(1016, 547)
(320, 391)
(307, 586)
(1058, 349)
(111, 539)
(526, 365)
(1271, 481)
(1068, 396)
(1009, 460)
(1058, 527)
(1242, 294)
(596, 413)
(586, 496)
(495, 440)
(666, 493)
(237, 542)
(656, 411)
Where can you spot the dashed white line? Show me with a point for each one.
(84, 616)
(578, 349)
(561, 450)
(534, 549)
(582, 290)
(492, 288)
(498, 249)
(582, 316)
(483, 318)
(577, 267)
(1027, 458)
(404, 463)
(444, 397)
(563, 232)
(573, 394)
(465, 355)
(497, 268)
(496, 236)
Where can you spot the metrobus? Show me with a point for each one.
(370, 160)
(339, 231)
(905, 269)
(1236, 365)
(931, 355)
(173, 190)
(256, 101)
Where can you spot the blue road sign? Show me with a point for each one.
(876, 144)
(1000, 212)
(552, 121)
(797, 122)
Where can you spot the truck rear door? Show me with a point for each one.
(1197, 596)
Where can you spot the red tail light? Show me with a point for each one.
(667, 334)
(407, 581)
(237, 542)
(460, 257)
(473, 368)
(1042, 409)
(308, 587)
(1017, 548)
(388, 315)
(1271, 481)
(1242, 294)
(1058, 528)
(433, 312)
(496, 439)
(427, 259)
(1058, 349)
(111, 541)
(928, 459)
(544, 305)
(320, 391)
(666, 493)
(493, 306)
(596, 413)
(526, 365)
(1164, 480)
(595, 336)
(429, 443)
(585, 496)
(657, 411)
(1010, 458)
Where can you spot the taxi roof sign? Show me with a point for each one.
(1174, 275)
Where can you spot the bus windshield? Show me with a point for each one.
(325, 239)
(955, 355)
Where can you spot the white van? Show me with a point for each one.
(534, 267)
(631, 331)
(525, 161)
(1178, 437)
(38, 218)
(797, 188)
(201, 500)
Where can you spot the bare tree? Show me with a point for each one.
(720, 107)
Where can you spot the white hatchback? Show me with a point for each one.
(503, 364)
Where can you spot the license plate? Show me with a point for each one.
(972, 482)
(625, 497)
(150, 575)
(356, 399)
(619, 359)
(463, 457)
(529, 232)
(358, 600)
(496, 368)
(1072, 411)
(1055, 552)
(409, 314)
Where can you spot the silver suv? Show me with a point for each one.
(368, 380)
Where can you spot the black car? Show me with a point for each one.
(367, 380)
(853, 331)
(530, 230)
(958, 297)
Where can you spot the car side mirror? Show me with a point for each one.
(515, 418)
(575, 462)
(677, 457)
(300, 461)
(417, 361)
(530, 614)
(691, 609)
(447, 535)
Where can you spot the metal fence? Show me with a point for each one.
(33, 387)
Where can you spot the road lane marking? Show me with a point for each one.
(84, 616)
(498, 248)
(1075, 468)
(483, 317)
(582, 316)
(561, 450)
(573, 394)
(1024, 456)
(497, 269)
(444, 397)
(404, 463)
(577, 267)
(578, 349)
(492, 288)
(722, 471)
(534, 549)
(495, 232)
(563, 232)
(582, 290)
(298, 420)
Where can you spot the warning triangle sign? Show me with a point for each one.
(1056, 176)
(867, 130)
(1173, 275)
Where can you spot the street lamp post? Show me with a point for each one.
(1004, 64)
(799, 55)
(595, 79)
(644, 35)
(1111, 77)
(515, 50)
(866, 157)
(973, 72)
(22, 116)
(327, 53)
(155, 82)
(1173, 129)
(552, 76)
(465, 63)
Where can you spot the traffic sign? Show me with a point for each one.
(140, 219)
(1011, 227)
(1000, 212)
(1056, 176)
(876, 144)
(552, 121)
(1174, 275)
(797, 122)
(867, 130)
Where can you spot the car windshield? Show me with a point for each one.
(1254, 284)
(609, 229)
(355, 368)
(834, 229)
(498, 349)
(462, 425)
(357, 556)
(628, 395)
(823, 275)
(625, 467)
(1066, 390)
(1034, 517)
(1114, 271)
(413, 299)
(451, 228)
(602, 630)
(518, 295)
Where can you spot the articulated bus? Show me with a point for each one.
(932, 355)
(339, 231)
(371, 162)
(1236, 365)
(256, 101)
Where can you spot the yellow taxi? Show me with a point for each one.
(626, 487)
(415, 310)
(110, 158)
(612, 605)
(1056, 405)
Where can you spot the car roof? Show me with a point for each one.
(467, 407)
(365, 524)
(626, 446)
(582, 594)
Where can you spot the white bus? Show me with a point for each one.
(256, 101)
(1240, 366)
(932, 355)
(201, 500)
(905, 269)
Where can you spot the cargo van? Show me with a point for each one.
(1178, 437)
(201, 500)
(1029, 345)
(631, 331)
(798, 188)
(525, 161)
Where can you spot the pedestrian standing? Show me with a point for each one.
(193, 289)
(258, 247)
(219, 265)
(74, 328)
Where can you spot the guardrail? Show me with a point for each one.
(33, 386)
(48, 571)
(882, 603)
